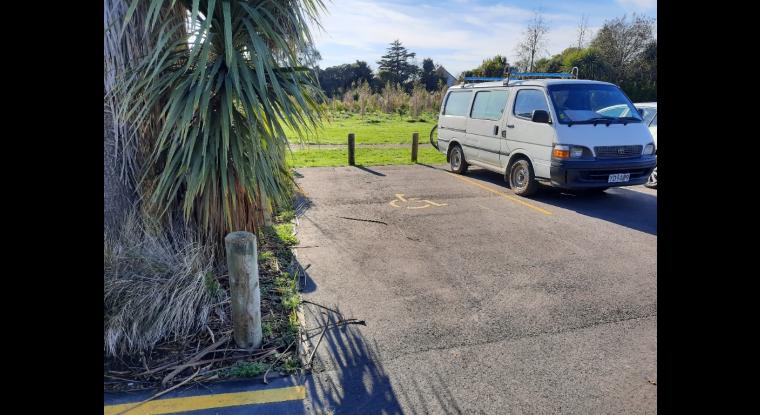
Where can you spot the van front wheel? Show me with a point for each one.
(521, 179)
(457, 161)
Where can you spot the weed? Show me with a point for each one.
(291, 365)
(291, 300)
(212, 285)
(286, 215)
(266, 329)
(284, 232)
(265, 256)
(247, 369)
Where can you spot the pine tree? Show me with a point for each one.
(395, 67)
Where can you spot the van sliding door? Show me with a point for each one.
(484, 126)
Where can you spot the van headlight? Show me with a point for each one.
(565, 152)
(649, 149)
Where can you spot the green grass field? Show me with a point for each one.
(374, 128)
(364, 156)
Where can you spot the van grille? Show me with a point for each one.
(617, 152)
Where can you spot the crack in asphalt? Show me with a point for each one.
(516, 338)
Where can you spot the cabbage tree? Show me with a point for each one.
(220, 100)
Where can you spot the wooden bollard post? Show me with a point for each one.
(351, 144)
(245, 293)
(415, 144)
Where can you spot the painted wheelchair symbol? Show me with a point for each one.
(417, 202)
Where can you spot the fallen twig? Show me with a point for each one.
(321, 306)
(340, 323)
(196, 358)
(314, 351)
(161, 393)
(364, 220)
(278, 359)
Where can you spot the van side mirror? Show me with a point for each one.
(540, 116)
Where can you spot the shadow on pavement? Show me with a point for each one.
(347, 377)
(376, 173)
(622, 206)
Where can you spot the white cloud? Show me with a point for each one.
(456, 37)
(639, 4)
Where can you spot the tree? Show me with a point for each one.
(534, 41)
(620, 41)
(395, 66)
(225, 101)
(583, 31)
(641, 80)
(492, 67)
(337, 79)
(124, 147)
(430, 76)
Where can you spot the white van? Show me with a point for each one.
(550, 131)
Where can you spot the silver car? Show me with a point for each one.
(649, 112)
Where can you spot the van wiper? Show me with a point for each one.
(629, 119)
(595, 121)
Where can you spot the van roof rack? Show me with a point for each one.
(573, 74)
(482, 78)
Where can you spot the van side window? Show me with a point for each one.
(457, 103)
(529, 100)
(489, 105)
(654, 122)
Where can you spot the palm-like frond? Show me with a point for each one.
(223, 98)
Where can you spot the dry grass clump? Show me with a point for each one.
(158, 285)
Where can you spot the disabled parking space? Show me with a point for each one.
(469, 290)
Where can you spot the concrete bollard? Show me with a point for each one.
(245, 293)
(415, 145)
(351, 144)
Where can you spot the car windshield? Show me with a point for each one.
(585, 103)
(649, 113)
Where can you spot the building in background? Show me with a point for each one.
(450, 79)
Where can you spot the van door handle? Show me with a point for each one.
(510, 126)
(495, 130)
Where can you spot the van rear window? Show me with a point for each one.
(457, 103)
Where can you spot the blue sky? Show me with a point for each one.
(458, 34)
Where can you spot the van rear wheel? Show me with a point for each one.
(521, 178)
(456, 160)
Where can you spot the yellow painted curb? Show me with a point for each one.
(194, 403)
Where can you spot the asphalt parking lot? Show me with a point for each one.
(477, 300)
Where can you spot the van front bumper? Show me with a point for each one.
(584, 174)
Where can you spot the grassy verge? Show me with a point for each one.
(364, 156)
(167, 301)
(377, 128)
(279, 300)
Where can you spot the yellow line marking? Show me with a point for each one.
(222, 400)
(400, 197)
(435, 204)
(502, 194)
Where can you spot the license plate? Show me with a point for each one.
(619, 178)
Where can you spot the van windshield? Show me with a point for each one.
(591, 103)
